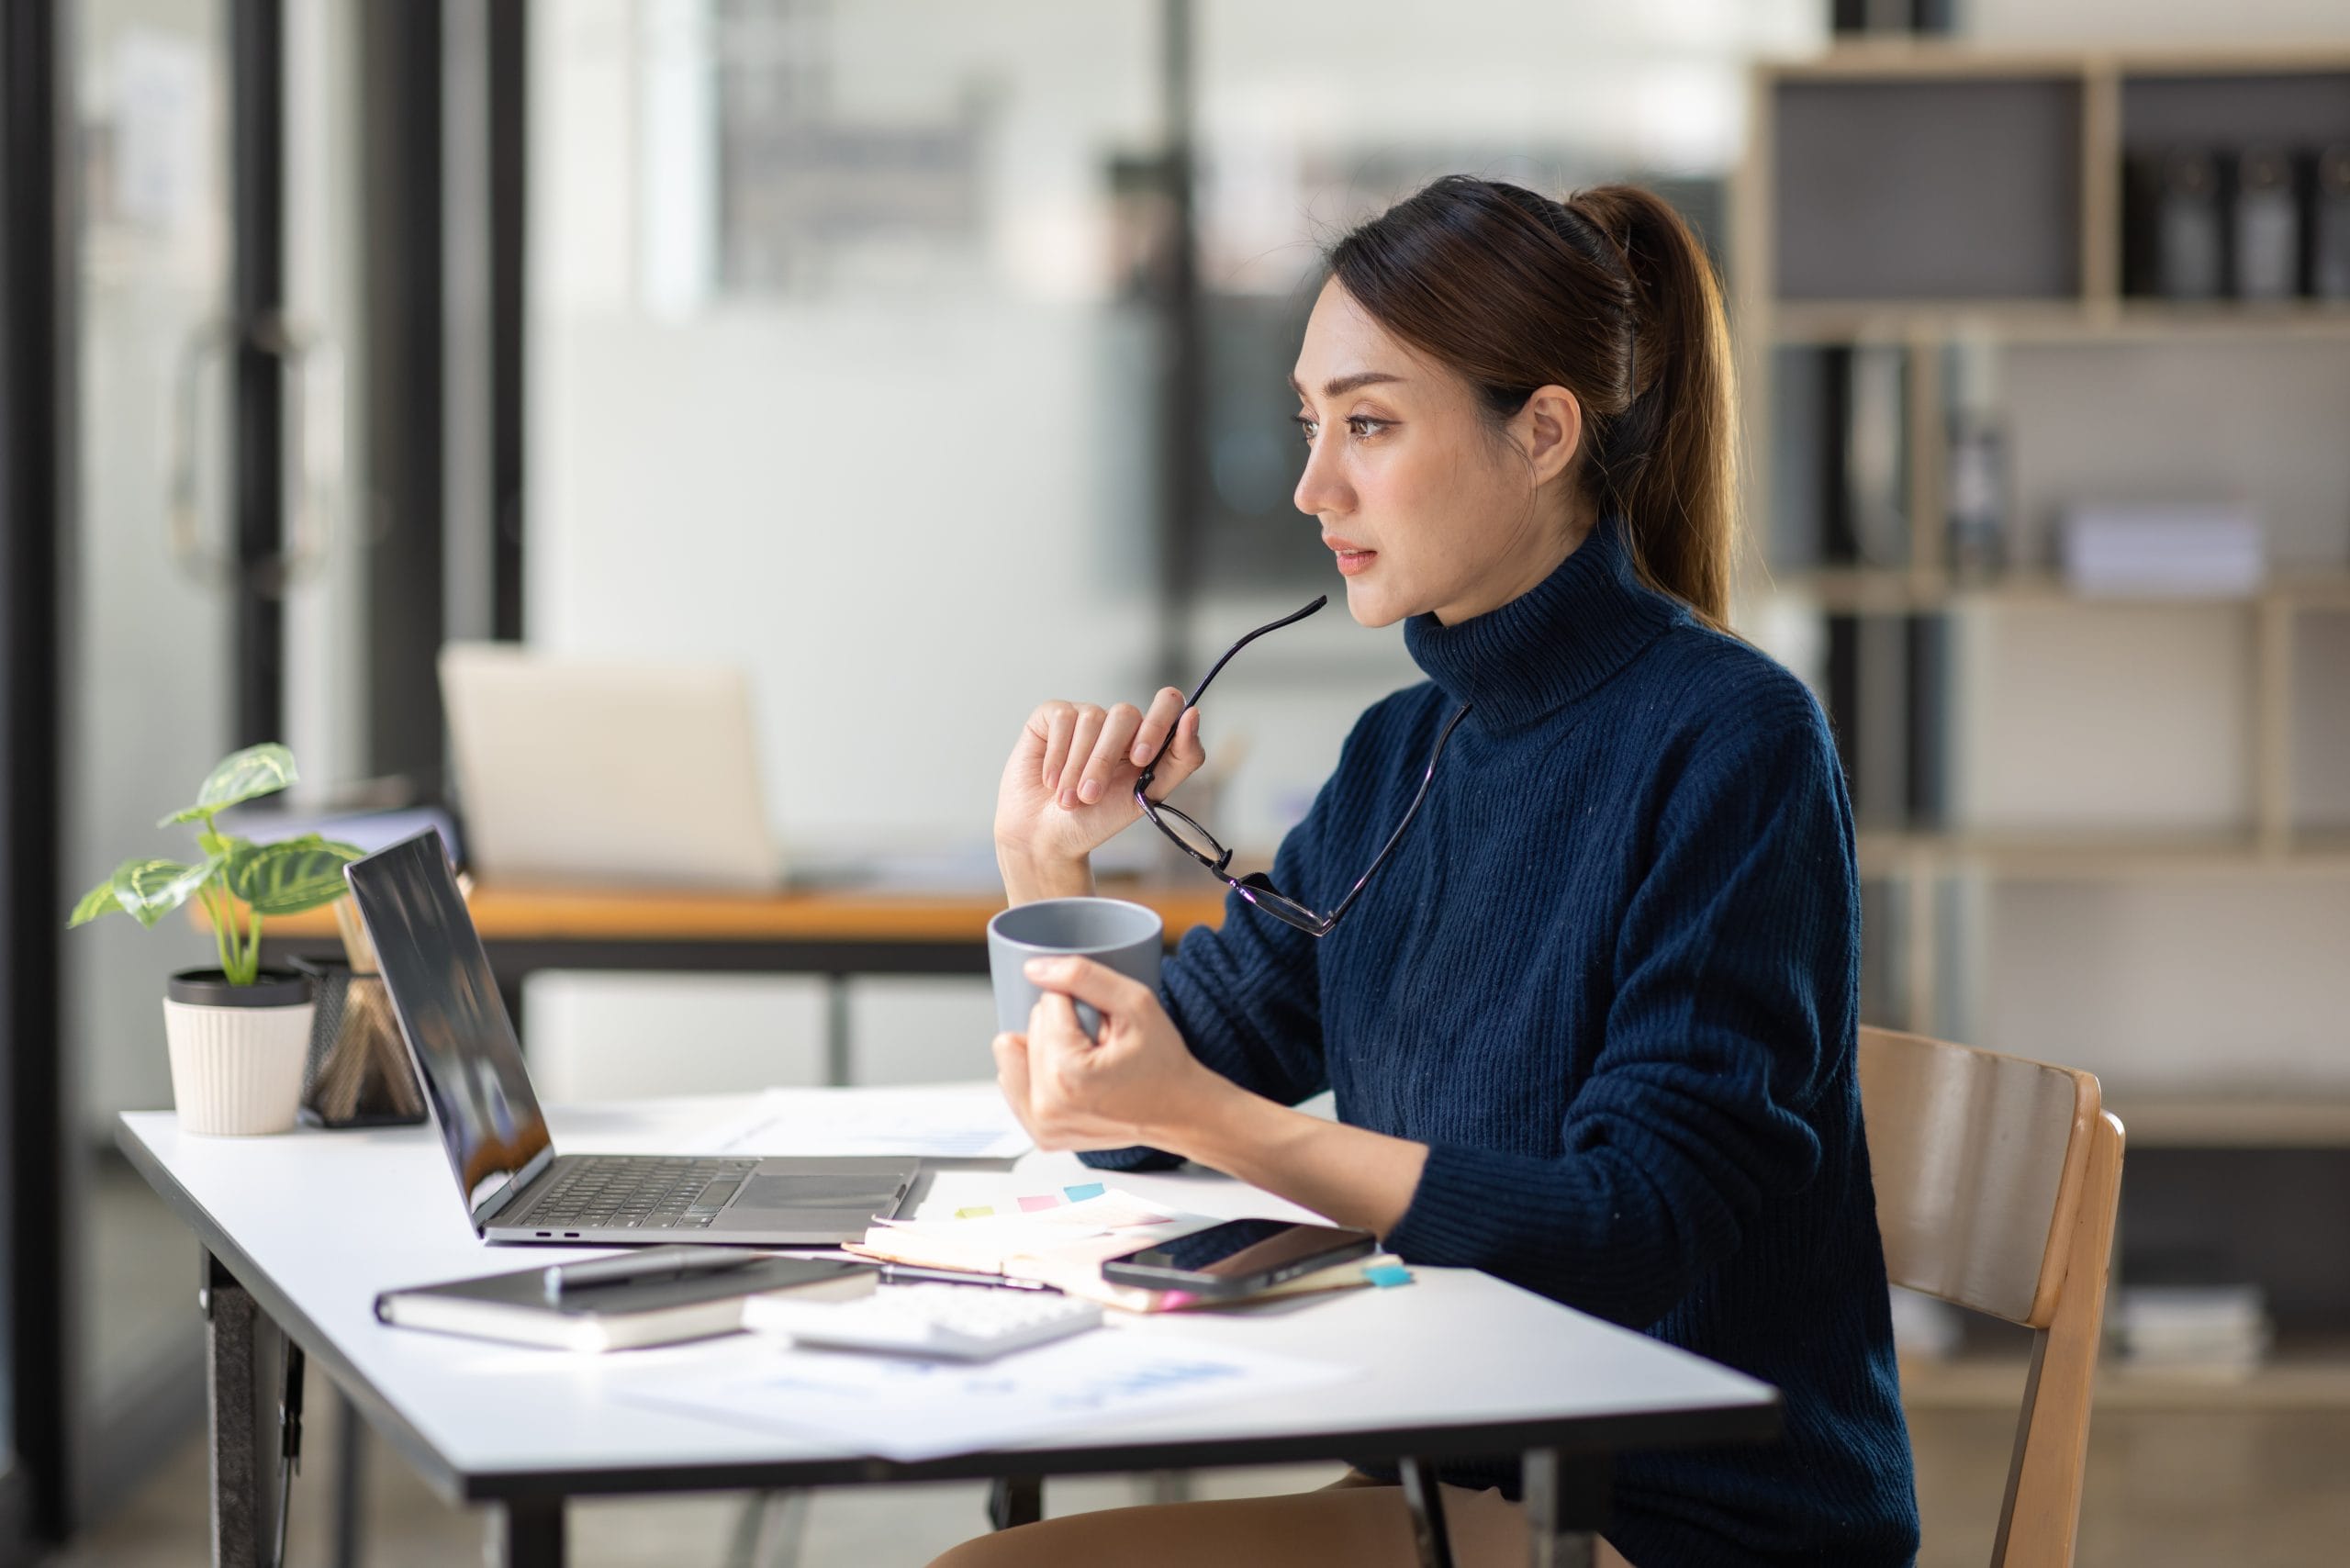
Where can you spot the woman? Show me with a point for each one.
(1590, 1027)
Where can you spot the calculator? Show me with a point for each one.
(963, 1323)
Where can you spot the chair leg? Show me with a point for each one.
(1566, 1508)
(1424, 1497)
(770, 1531)
(1016, 1500)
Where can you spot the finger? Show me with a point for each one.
(1012, 1073)
(1110, 749)
(1100, 987)
(1060, 720)
(1081, 746)
(1052, 1020)
(1165, 710)
(1185, 757)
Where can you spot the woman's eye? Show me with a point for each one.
(1363, 425)
(1305, 428)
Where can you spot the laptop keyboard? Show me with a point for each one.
(638, 1194)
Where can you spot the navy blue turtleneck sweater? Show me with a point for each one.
(1609, 979)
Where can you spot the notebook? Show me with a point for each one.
(514, 1308)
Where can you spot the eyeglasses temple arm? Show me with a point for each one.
(1194, 700)
(1290, 619)
(1401, 828)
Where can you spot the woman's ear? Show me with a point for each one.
(1548, 429)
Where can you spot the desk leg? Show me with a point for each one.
(349, 1483)
(535, 1533)
(1424, 1496)
(1566, 1508)
(1015, 1500)
(837, 1038)
(234, 1356)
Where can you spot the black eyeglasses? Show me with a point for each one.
(1203, 846)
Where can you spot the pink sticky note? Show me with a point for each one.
(1041, 1200)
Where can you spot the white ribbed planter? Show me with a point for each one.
(237, 1071)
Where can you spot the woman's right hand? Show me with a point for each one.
(1069, 786)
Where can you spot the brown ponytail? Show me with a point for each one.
(1608, 295)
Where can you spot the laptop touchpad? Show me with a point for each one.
(816, 1191)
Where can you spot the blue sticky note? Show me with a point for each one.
(1078, 1194)
(1387, 1274)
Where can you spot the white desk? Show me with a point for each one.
(304, 1229)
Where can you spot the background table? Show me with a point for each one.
(836, 933)
(305, 1228)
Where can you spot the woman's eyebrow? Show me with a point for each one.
(1339, 386)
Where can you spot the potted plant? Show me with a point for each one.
(238, 1035)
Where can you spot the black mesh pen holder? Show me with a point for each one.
(359, 1073)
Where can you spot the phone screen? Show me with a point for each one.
(1245, 1249)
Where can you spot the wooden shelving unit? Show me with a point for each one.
(1886, 118)
(1931, 198)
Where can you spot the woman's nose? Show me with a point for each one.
(1320, 491)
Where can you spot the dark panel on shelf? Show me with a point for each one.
(1842, 668)
(1928, 722)
(1799, 434)
(1966, 190)
(2227, 112)
(2242, 1216)
(1839, 540)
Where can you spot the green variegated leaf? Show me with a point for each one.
(151, 890)
(290, 875)
(242, 776)
(98, 900)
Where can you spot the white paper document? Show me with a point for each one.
(900, 1407)
(949, 1121)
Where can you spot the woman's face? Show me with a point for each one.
(1427, 507)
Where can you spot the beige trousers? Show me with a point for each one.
(1356, 1522)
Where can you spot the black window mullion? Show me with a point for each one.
(36, 436)
(257, 219)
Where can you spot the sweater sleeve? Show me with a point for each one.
(1246, 995)
(1735, 978)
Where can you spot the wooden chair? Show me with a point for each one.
(1997, 1180)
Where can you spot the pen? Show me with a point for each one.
(897, 1274)
(654, 1263)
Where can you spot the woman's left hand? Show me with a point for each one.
(1138, 1084)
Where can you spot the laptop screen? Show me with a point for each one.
(455, 1022)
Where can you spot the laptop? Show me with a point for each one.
(515, 1187)
(606, 771)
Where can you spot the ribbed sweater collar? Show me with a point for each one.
(1553, 643)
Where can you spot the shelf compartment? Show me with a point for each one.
(1888, 189)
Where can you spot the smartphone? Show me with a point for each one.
(1238, 1258)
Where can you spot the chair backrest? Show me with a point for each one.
(1998, 1181)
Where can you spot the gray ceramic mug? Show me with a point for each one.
(1126, 936)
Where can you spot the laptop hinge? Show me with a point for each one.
(515, 1187)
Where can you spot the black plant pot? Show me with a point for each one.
(210, 988)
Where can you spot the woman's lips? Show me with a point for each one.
(1353, 562)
